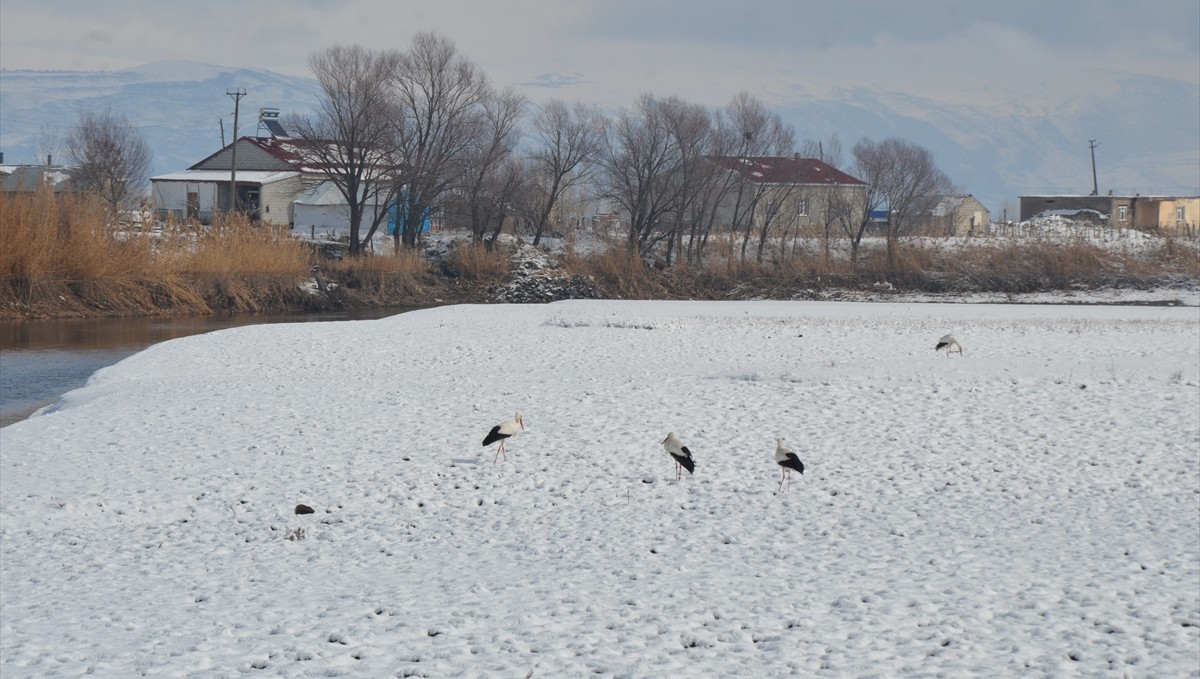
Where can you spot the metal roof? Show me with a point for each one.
(785, 170)
(243, 176)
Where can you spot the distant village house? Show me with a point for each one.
(1178, 215)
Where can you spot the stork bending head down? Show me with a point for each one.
(679, 453)
(502, 432)
(949, 343)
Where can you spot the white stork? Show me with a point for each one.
(787, 461)
(681, 455)
(501, 432)
(949, 343)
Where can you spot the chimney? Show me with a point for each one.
(48, 158)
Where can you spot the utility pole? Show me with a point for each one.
(221, 122)
(1095, 188)
(236, 95)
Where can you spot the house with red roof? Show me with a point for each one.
(275, 176)
(805, 194)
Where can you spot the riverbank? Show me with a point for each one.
(63, 261)
(339, 291)
(450, 271)
(43, 359)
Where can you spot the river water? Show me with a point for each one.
(42, 360)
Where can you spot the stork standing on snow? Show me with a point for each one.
(501, 432)
(949, 343)
(787, 461)
(681, 455)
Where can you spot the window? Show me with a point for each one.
(802, 207)
(1123, 213)
(1180, 214)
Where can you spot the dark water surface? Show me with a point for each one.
(42, 360)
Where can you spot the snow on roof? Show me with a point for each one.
(30, 177)
(325, 193)
(246, 176)
(785, 170)
(948, 204)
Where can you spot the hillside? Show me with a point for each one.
(1148, 134)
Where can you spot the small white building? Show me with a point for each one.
(958, 215)
(198, 194)
(322, 209)
(278, 182)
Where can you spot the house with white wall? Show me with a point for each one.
(270, 174)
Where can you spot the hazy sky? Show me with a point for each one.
(611, 50)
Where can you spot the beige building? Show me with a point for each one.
(805, 194)
(1177, 215)
(958, 215)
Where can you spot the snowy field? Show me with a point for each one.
(1030, 509)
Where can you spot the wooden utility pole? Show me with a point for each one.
(1095, 188)
(236, 95)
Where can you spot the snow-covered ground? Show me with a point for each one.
(1030, 509)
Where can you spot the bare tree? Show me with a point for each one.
(509, 184)
(440, 117)
(488, 184)
(565, 139)
(636, 163)
(748, 129)
(828, 207)
(652, 165)
(48, 145)
(828, 151)
(350, 138)
(110, 157)
(691, 130)
(901, 176)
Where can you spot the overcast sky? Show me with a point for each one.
(611, 50)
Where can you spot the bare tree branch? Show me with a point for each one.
(565, 140)
(110, 157)
(901, 176)
(440, 116)
(490, 183)
(350, 139)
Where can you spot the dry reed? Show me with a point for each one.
(477, 262)
(61, 259)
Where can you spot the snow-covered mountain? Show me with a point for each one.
(179, 106)
(1147, 129)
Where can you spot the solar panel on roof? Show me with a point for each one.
(274, 128)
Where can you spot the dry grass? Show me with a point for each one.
(1032, 267)
(475, 262)
(380, 277)
(618, 272)
(990, 267)
(232, 246)
(61, 259)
